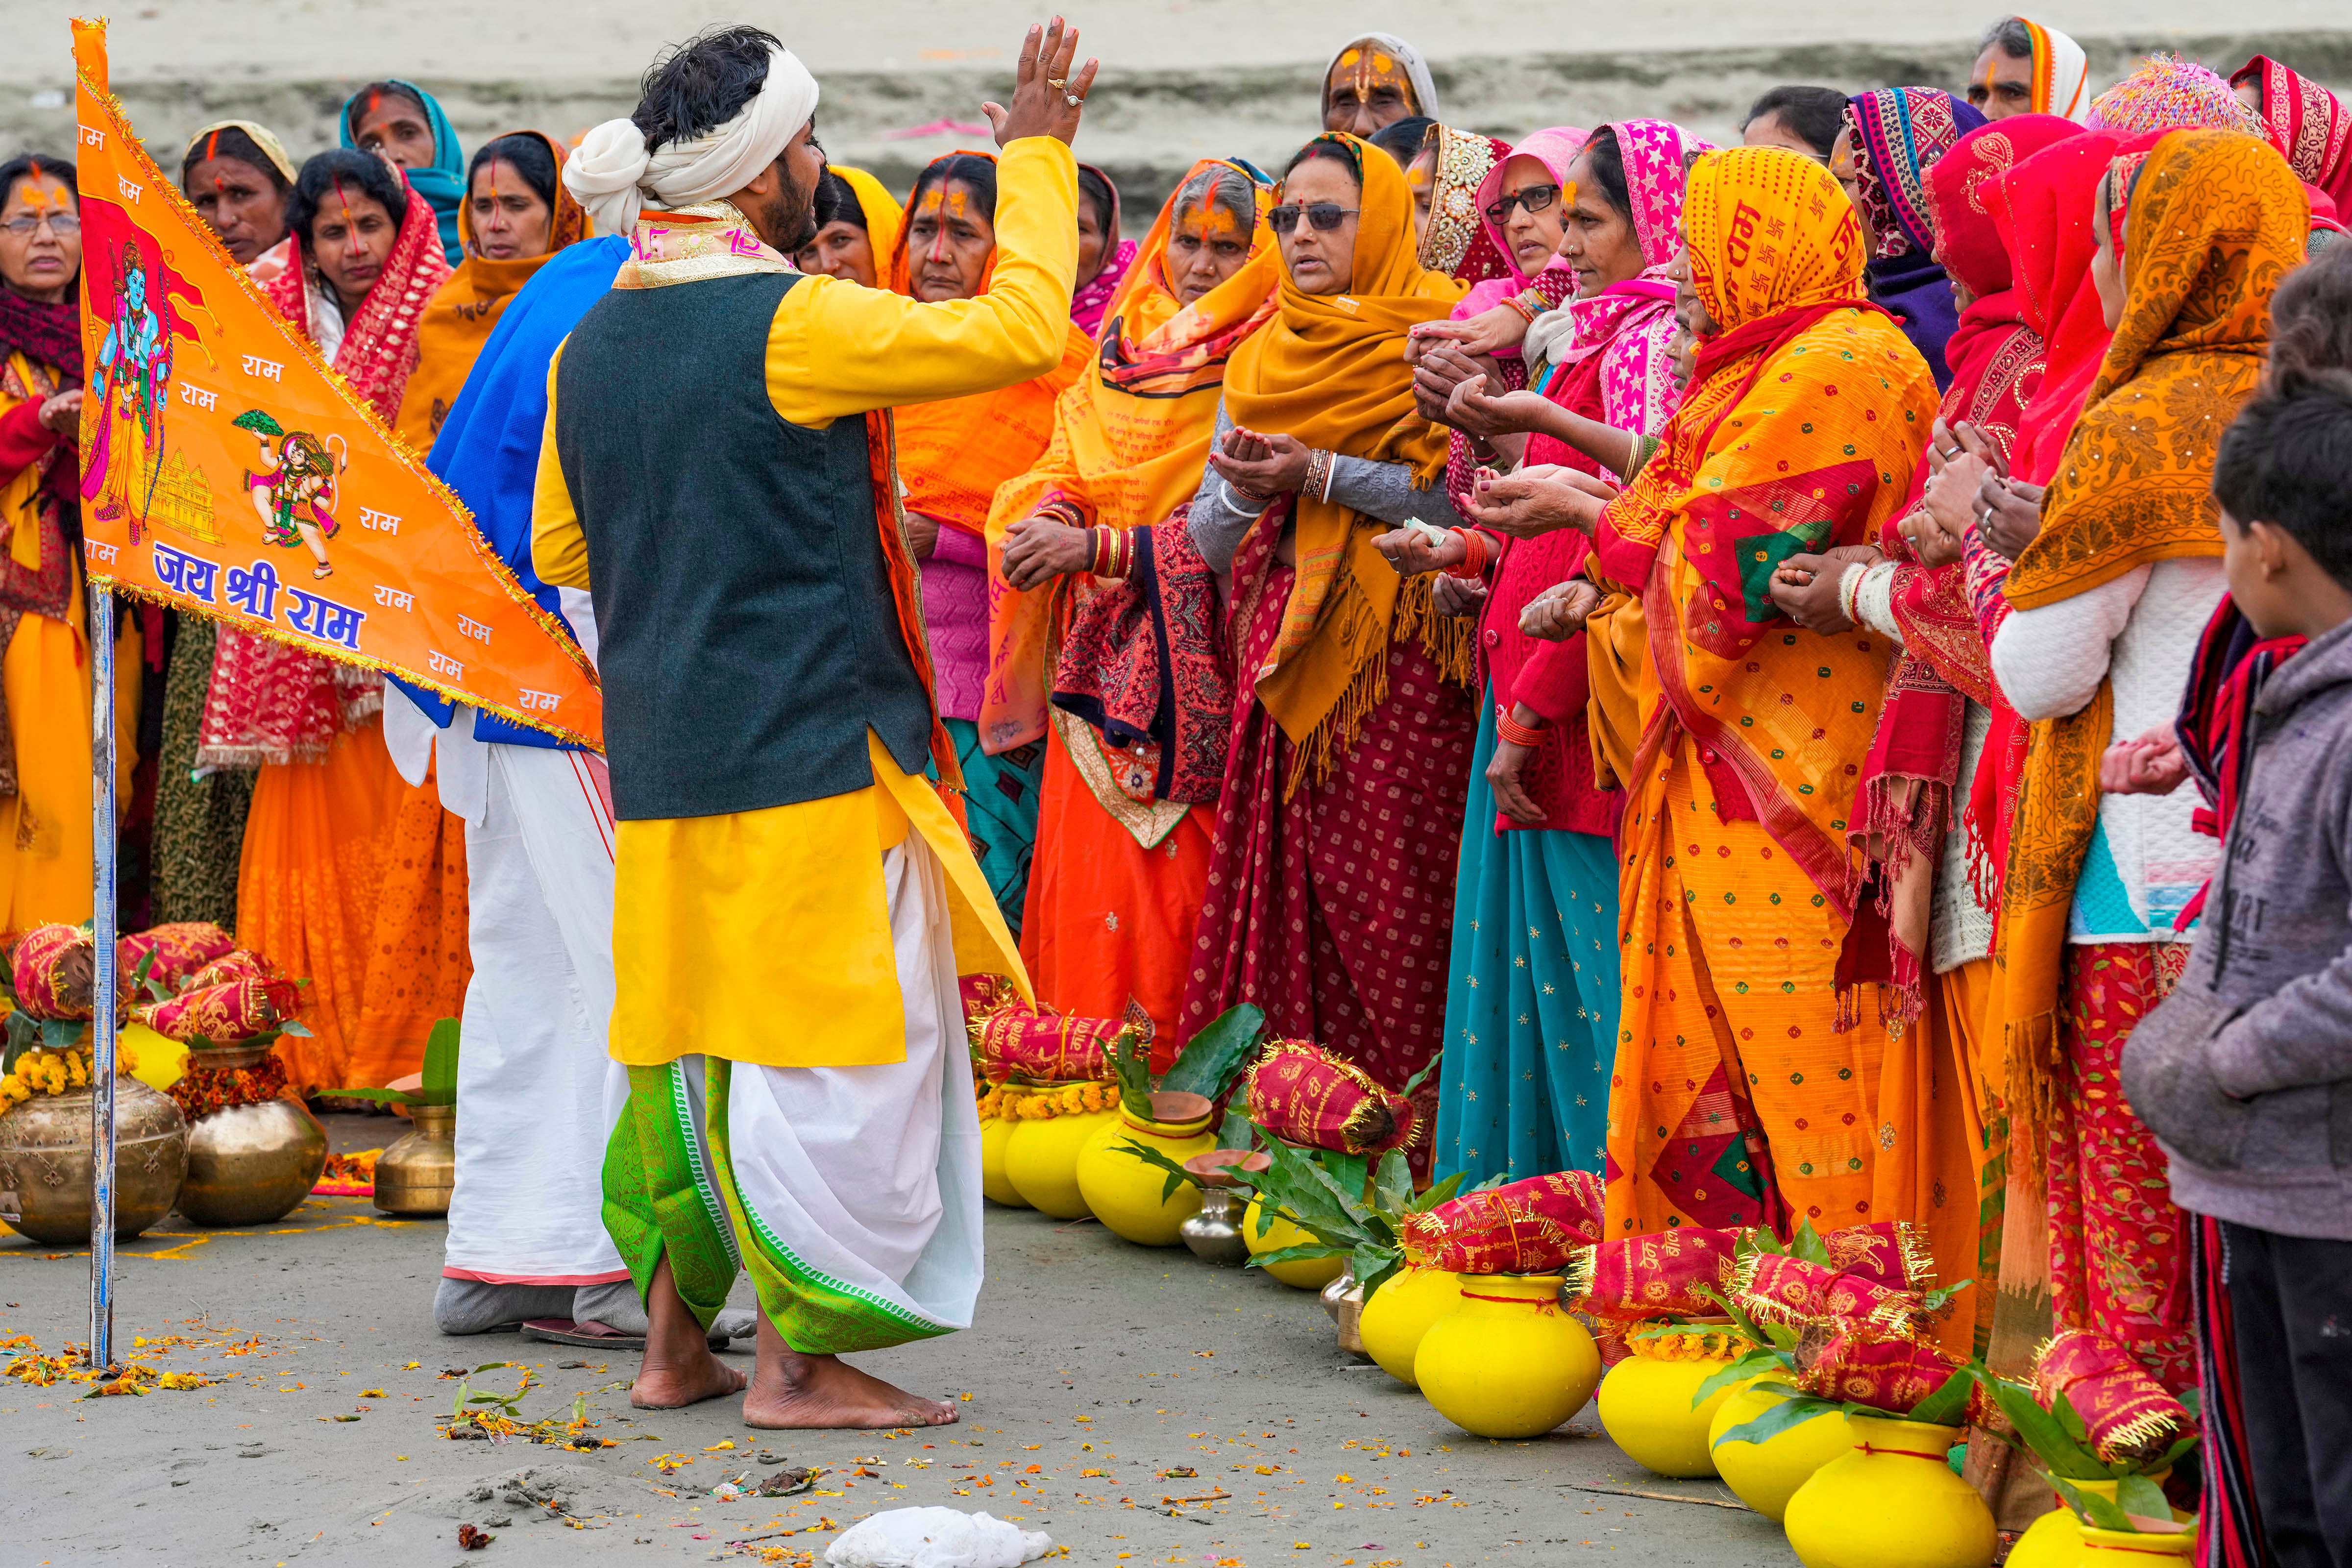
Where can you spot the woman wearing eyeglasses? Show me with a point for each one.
(1331, 892)
(44, 793)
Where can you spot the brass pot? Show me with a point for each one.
(417, 1175)
(44, 1162)
(250, 1164)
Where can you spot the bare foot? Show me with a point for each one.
(791, 1390)
(673, 1386)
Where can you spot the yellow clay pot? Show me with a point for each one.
(2129, 1549)
(995, 1133)
(1041, 1160)
(1508, 1362)
(2056, 1539)
(1124, 1192)
(1766, 1474)
(1645, 1408)
(1891, 1501)
(1309, 1274)
(1400, 1312)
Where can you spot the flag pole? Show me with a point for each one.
(103, 1024)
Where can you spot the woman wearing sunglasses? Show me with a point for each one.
(1332, 882)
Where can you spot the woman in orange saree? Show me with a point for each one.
(1093, 588)
(1747, 1088)
(952, 456)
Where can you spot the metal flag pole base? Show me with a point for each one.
(103, 1024)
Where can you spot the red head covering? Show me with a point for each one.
(2308, 124)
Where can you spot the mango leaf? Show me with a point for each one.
(1791, 1413)
(1350, 1177)
(2089, 1507)
(1764, 1241)
(2141, 1495)
(23, 1035)
(156, 990)
(1739, 1318)
(2040, 1431)
(1807, 1245)
(1936, 1301)
(2172, 1456)
(1177, 1174)
(1374, 1267)
(294, 1026)
(1747, 1366)
(1417, 1079)
(2071, 1420)
(1132, 1064)
(1213, 1058)
(1948, 1406)
(1393, 1185)
(440, 1075)
(1305, 1252)
(1439, 1193)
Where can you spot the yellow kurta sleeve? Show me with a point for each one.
(558, 551)
(836, 349)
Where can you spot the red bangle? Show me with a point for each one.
(1510, 729)
(1476, 554)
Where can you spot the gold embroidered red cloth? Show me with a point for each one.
(1532, 1226)
(2128, 1414)
(1892, 1252)
(226, 1014)
(1884, 1372)
(180, 949)
(1010, 1039)
(243, 963)
(1791, 1291)
(1655, 1275)
(1302, 1095)
(54, 969)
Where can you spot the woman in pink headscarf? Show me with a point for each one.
(1535, 925)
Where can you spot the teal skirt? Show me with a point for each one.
(1001, 810)
(1531, 1006)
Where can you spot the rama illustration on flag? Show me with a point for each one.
(229, 471)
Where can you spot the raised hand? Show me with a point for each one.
(1047, 98)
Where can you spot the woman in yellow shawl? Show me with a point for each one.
(2106, 604)
(1332, 883)
(515, 215)
(1097, 597)
(857, 227)
(952, 456)
(1750, 1085)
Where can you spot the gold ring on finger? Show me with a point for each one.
(1060, 84)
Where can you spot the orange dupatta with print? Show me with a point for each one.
(2215, 220)
(952, 455)
(1131, 438)
(466, 308)
(1750, 472)
(1329, 370)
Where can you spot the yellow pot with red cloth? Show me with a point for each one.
(1398, 1314)
(1891, 1501)
(1508, 1361)
(2056, 1539)
(1647, 1404)
(1124, 1192)
(1766, 1474)
(1041, 1153)
(1300, 1274)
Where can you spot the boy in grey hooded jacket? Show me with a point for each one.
(2244, 1073)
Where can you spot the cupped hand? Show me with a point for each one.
(1457, 597)
(1482, 408)
(1047, 99)
(1537, 500)
(62, 414)
(1412, 552)
(1038, 548)
(1260, 465)
(1488, 332)
(1560, 612)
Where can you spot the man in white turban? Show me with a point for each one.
(793, 900)
(2024, 68)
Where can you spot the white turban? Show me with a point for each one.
(612, 175)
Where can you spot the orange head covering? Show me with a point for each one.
(1768, 230)
(882, 214)
(465, 309)
(2215, 220)
(1329, 370)
(1130, 438)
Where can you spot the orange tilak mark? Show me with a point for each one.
(342, 201)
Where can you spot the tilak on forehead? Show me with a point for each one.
(1365, 68)
(41, 191)
(1213, 218)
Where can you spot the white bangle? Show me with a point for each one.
(1849, 585)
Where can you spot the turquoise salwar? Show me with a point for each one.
(1000, 812)
(1531, 1005)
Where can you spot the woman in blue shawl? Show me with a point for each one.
(401, 120)
(1881, 157)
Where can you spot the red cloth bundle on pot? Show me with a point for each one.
(240, 964)
(1657, 1275)
(1882, 1370)
(1791, 1291)
(1013, 1040)
(1302, 1096)
(1532, 1226)
(179, 948)
(54, 970)
(2128, 1415)
(226, 1014)
(1890, 1252)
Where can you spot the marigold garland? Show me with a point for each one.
(1026, 1102)
(201, 1089)
(1696, 1341)
(50, 1072)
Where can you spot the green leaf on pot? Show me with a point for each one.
(294, 1026)
(1807, 1245)
(1304, 1252)
(1374, 1267)
(2092, 1509)
(2139, 1495)
(2040, 1431)
(1786, 1415)
(1213, 1058)
(1747, 1366)
(440, 1079)
(2071, 1420)
(1439, 1193)
(1393, 1185)
(1177, 1174)
(62, 1034)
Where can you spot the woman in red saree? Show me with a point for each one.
(1102, 627)
(347, 877)
(1331, 885)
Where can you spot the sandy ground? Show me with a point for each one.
(1154, 1359)
(1181, 77)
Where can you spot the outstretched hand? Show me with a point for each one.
(1047, 98)
(1537, 500)
(1560, 612)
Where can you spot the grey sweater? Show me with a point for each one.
(1219, 519)
(2244, 1073)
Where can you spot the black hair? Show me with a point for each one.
(2310, 317)
(836, 202)
(1607, 158)
(530, 157)
(702, 84)
(374, 93)
(2286, 459)
(26, 164)
(1096, 191)
(231, 142)
(360, 173)
(1402, 138)
(1815, 113)
(1222, 187)
(965, 169)
(1339, 153)
(2011, 35)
